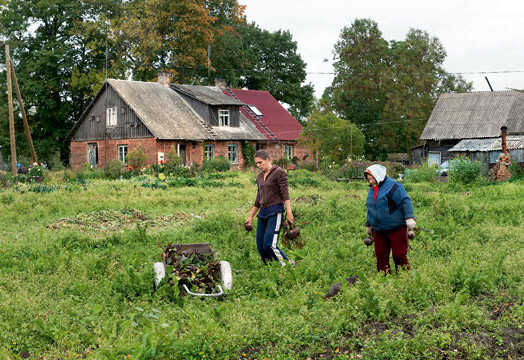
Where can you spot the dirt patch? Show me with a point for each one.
(314, 199)
(109, 221)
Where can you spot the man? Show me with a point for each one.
(272, 197)
(390, 214)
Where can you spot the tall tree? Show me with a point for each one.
(257, 59)
(45, 51)
(388, 89)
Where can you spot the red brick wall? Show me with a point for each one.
(276, 151)
(108, 150)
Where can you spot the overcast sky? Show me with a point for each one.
(479, 36)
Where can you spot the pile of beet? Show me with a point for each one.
(199, 272)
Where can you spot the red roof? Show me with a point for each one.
(274, 116)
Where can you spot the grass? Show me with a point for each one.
(85, 290)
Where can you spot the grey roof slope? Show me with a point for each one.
(161, 109)
(211, 95)
(169, 117)
(475, 115)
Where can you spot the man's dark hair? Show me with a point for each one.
(263, 154)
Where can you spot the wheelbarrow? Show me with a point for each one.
(202, 249)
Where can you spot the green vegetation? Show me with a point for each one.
(76, 278)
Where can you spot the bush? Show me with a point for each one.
(113, 169)
(464, 171)
(248, 151)
(220, 163)
(173, 164)
(517, 172)
(424, 172)
(136, 158)
(36, 171)
(307, 165)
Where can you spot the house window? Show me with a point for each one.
(111, 118)
(288, 152)
(232, 153)
(223, 117)
(434, 158)
(122, 153)
(255, 110)
(209, 151)
(260, 147)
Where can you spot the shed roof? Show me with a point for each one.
(489, 144)
(475, 115)
(274, 115)
(211, 95)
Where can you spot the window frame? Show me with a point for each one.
(122, 155)
(288, 152)
(212, 148)
(439, 155)
(111, 116)
(234, 152)
(224, 117)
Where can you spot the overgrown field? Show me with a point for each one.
(76, 274)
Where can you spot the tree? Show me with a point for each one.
(257, 59)
(330, 136)
(388, 89)
(45, 52)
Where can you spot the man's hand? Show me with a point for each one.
(410, 223)
(369, 231)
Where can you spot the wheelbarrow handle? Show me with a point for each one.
(208, 295)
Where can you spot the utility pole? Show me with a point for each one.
(24, 117)
(14, 168)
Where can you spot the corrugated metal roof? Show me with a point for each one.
(490, 144)
(211, 95)
(475, 115)
(274, 115)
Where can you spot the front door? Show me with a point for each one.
(92, 154)
(182, 153)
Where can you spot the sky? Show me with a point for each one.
(483, 37)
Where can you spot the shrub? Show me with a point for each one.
(220, 163)
(113, 169)
(307, 165)
(464, 171)
(136, 158)
(36, 171)
(517, 172)
(173, 164)
(424, 172)
(248, 151)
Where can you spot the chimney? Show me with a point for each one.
(164, 78)
(504, 148)
(221, 84)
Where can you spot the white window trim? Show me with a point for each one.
(286, 148)
(224, 117)
(212, 146)
(111, 116)
(235, 146)
(123, 158)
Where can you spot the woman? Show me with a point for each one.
(390, 212)
(272, 197)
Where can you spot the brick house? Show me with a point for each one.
(200, 121)
(279, 127)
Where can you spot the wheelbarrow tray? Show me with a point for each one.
(201, 249)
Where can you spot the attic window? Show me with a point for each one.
(223, 117)
(111, 116)
(255, 110)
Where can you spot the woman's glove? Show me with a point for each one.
(410, 223)
(369, 230)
